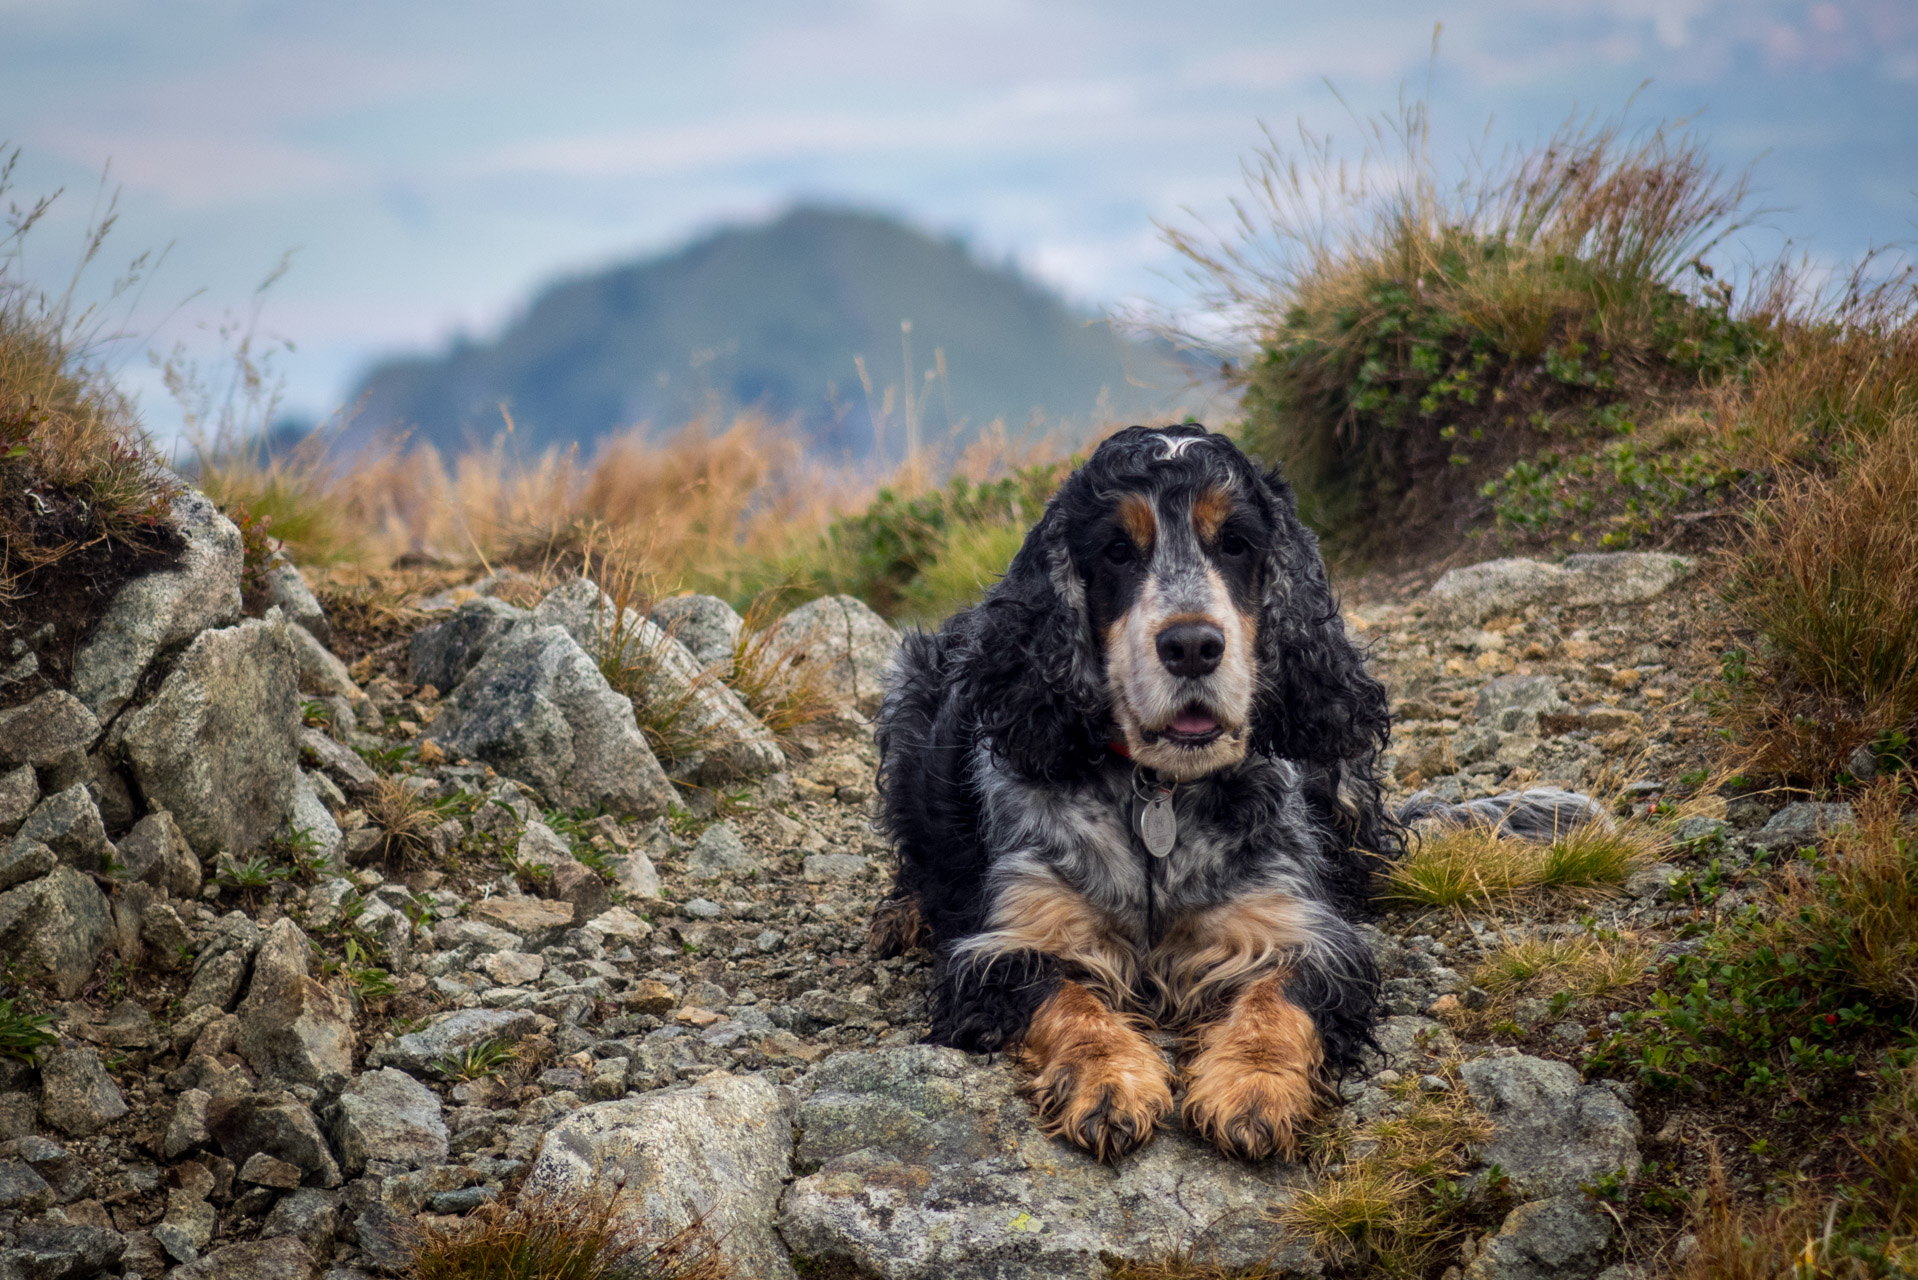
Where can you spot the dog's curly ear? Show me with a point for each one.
(1316, 702)
(1030, 675)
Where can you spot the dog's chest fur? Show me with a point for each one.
(1244, 830)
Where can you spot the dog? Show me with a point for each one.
(1135, 788)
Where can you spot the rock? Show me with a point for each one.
(19, 792)
(732, 742)
(835, 866)
(388, 1115)
(719, 1150)
(1513, 704)
(263, 1170)
(78, 1097)
(578, 884)
(928, 1166)
(187, 1129)
(1408, 1041)
(541, 845)
(1480, 591)
(384, 1237)
(68, 823)
(619, 925)
(706, 625)
(451, 1034)
(156, 852)
(720, 852)
(309, 1215)
(512, 968)
(338, 762)
(535, 919)
(846, 647)
(321, 674)
(537, 708)
(279, 1258)
(22, 1190)
(1800, 823)
(218, 744)
(442, 654)
(311, 823)
(1562, 1238)
(464, 931)
(1552, 1132)
(24, 860)
(162, 609)
(56, 925)
(286, 588)
(293, 1028)
(64, 1251)
(53, 725)
(278, 1124)
(165, 935)
(216, 981)
(635, 875)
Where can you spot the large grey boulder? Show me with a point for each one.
(53, 725)
(163, 609)
(442, 654)
(930, 1167)
(68, 823)
(292, 1027)
(388, 1115)
(719, 1150)
(1493, 587)
(706, 625)
(537, 709)
(56, 925)
(843, 646)
(732, 742)
(1552, 1132)
(218, 745)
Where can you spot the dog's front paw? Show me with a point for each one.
(1253, 1115)
(897, 927)
(1108, 1104)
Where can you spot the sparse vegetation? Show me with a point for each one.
(477, 1061)
(1566, 970)
(1478, 865)
(558, 1238)
(783, 694)
(23, 1033)
(406, 820)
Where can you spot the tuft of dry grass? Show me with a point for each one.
(1581, 968)
(558, 1238)
(1858, 903)
(1824, 574)
(405, 820)
(781, 691)
(1475, 865)
(1386, 1194)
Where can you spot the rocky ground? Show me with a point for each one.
(332, 946)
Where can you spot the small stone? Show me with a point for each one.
(292, 1027)
(53, 725)
(636, 876)
(703, 909)
(187, 1129)
(57, 1250)
(1800, 823)
(835, 866)
(451, 1034)
(68, 823)
(264, 1170)
(309, 1215)
(19, 792)
(706, 625)
(535, 919)
(720, 852)
(157, 853)
(652, 996)
(280, 1258)
(620, 925)
(388, 1115)
(1434, 1084)
(276, 1123)
(512, 968)
(22, 1190)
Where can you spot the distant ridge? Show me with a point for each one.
(772, 316)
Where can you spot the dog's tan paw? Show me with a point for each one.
(1098, 1082)
(1253, 1079)
(896, 928)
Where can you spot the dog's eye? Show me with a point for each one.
(1231, 544)
(1120, 551)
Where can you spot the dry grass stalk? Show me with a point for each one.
(1581, 968)
(781, 691)
(558, 1238)
(1476, 865)
(1859, 901)
(405, 819)
(1824, 573)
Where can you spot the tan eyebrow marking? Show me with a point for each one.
(1209, 511)
(1141, 523)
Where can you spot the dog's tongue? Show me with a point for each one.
(1193, 722)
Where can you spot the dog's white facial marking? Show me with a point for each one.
(1181, 585)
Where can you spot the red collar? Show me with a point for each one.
(1119, 749)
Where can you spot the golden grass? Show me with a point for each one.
(558, 1238)
(1575, 969)
(1824, 572)
(1476, 865)
(782, 692)
(405, 821)
(1380, 1202)
(1858, 903)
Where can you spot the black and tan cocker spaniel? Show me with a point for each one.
(1134, 788)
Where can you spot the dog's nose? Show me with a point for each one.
(1191, 648)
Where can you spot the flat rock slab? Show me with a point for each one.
(451, 1034)
(1553, 1132)
(528, 917)
(929, 1167)
(1480, 591)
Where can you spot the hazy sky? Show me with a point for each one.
(432, 163)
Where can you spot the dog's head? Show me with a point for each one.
(1171, 600)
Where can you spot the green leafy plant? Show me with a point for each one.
(477, 1061)
(22, 1033)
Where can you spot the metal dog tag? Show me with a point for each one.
(1156, 824)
